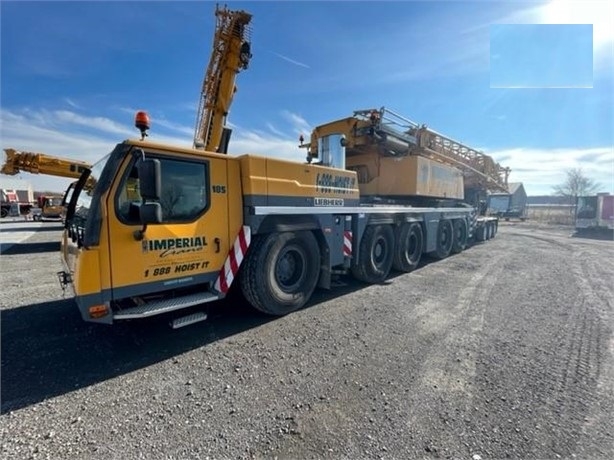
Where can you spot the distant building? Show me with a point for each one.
(515, 199)
(518, 195)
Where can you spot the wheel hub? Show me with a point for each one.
(290, 269)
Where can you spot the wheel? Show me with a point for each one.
(459, 241)
(480, 233)
(376, 254)
(445, 239)
(4, 212)
(281, 271)
(493, 229)
(409, 241)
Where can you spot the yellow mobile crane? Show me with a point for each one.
(205, 220)
(49, 206)
(167, 228)
(231, 54)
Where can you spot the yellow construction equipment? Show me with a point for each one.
(48, 206)
(231, 54)
(396, 158)
(167, 228)
(39, 163)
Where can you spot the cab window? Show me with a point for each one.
(185, 192)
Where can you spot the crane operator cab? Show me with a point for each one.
(331, 151)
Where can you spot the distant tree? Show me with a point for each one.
(576, 184)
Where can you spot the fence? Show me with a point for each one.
(556, 214)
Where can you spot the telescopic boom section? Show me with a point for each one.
(478, 168)
(231, 54)
(39, 163)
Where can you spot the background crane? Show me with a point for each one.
(40, 163)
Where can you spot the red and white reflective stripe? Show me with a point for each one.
(234, 259)
(347, 243)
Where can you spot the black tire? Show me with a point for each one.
(480, 233)
(409, 241)
(488, 231)
(376, 254)
(281, 271)
(493, 229)
(4, 212)
(459, 231)
(445, 238)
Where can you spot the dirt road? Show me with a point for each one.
(503, 351)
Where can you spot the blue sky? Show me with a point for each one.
(74, 73)
(541, 56)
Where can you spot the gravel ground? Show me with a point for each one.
(503, 351)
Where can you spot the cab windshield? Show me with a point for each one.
(53, 202)
(84, 213)
(68, 194)
(81, 199)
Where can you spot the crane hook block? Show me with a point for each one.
(141, 121)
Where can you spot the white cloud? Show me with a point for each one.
(299, 124)
(45, 132)
(189, 132)
(160, 120)
(71, 103)
(274, 130)
(273, 147)
(541, 169)
(291, 61)
(60, 133)
(62, 117)
(48, 133)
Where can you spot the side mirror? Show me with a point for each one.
(150, 213)
(150, 179)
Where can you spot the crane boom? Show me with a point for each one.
(478, 167)
(40, 163)
(395, 135)
(231, 53)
